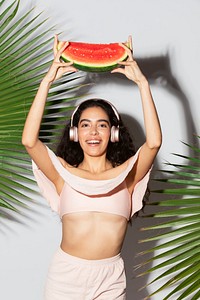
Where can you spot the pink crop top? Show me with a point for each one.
(80, 194)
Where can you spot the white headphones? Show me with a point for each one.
(114, 134)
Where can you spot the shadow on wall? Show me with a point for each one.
(157, 70)
(132, 247)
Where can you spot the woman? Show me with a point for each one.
(94, 183)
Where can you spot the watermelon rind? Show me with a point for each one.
(94, 67)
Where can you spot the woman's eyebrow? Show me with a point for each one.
(100, 120)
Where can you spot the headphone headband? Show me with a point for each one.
(111, 105)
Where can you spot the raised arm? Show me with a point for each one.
(153, 141)
(30, 136)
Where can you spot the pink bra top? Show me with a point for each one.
(80, 194)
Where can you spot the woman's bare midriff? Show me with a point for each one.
(93, 235)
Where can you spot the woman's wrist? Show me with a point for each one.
(142, 83)
(46, 82)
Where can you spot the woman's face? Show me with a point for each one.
(94, 131)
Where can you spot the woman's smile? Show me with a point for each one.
(93, 142)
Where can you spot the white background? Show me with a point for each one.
(167, 44)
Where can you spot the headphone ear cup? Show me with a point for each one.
(73, 134)
(114, 134)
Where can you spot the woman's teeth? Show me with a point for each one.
(93, 142)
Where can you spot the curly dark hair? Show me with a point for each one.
(117, 152)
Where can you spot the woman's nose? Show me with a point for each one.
(94, 130)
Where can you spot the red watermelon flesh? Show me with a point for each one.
(93, 57)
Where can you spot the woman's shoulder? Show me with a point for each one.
(64, 163)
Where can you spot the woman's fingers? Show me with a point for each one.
(125, 62)
(63, 47)
(128, 50)
(68, 66)
(118, 70)
(65, 64)
(71, 69)
(130, 43)
(55, 46)
(58, 52)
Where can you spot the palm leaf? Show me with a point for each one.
(25, 55)
(180, 241)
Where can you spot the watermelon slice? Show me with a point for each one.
(93, 57)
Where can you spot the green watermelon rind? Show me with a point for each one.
(95, 68)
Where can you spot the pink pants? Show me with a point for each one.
(73, 278)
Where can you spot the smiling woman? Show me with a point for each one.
(95, 182)
(94, 134)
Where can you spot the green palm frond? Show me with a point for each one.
(25, 55)
(179, 249)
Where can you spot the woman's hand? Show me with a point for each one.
(130, 67)
(58, 68)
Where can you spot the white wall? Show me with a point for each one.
(166, 42)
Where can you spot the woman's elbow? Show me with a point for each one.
(156, 144)
(27, 142)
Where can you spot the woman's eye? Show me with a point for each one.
(103, 125)
(84, 125)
